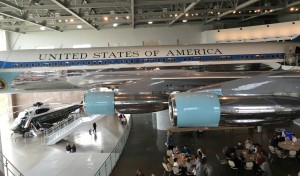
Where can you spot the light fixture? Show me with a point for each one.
(105, 18)
(59, 21)
(117, 18)
(42, 28)
(186, 14)
(66, 20)
(71, 20)
(79, 26)
(127, 17)
(150, 22)
(115, 24)
(292, 9)
(184, 21)
(175, 15)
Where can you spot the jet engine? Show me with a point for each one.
(108, 102)
(199, 109)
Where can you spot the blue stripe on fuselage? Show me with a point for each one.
(179, 59)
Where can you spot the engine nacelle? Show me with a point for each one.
(194, 109)
(99, 103)
(108, 102)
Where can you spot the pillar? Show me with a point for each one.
(163, 120)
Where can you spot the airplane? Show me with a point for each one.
(142, 78)
(41, 115)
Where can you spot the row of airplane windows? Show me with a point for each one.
(133, 61)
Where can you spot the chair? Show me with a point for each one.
(167, 169)
(272, 152)
(176, 171)
(222, 161)
(266, 168)
(292, 154)
(279, 154)
(169, 152)
(232, 166)
(249, 167)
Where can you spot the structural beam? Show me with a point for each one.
(132, 13)
(273, 10)
(245, 4)
(25, 20)
(62, 5)
(9, 4)
(185, 11)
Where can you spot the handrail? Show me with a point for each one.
(10, 168)
(111, 161)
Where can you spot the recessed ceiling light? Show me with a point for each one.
(117, 18)
(186, 14)
(59, 21)
(127, 17)
(66, 20)
(79, 26)
(150, 22)
(42, 28)
(184, 21)
(105, 18)
(115, 24)
(71, 20)
(175, 15)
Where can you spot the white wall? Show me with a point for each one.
(183, 34)
(278, 31)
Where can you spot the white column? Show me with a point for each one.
(1, 158)
(259, 129)
(163, 120)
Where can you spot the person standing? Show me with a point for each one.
(170, 140)
(94, 127)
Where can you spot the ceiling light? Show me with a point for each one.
(59, 21)
(105, 18)
(196, 14)
(117, 18)
(186, 14)
(175, 15)
(171, 15)
(184, 21)
(150, 22)
(42, 28)
(71, 20)
(234, 12)
(296, 9)
(127, 17)
(292, 9)
(115, 24)
(218, 13)
(66, 20)
(79, 26)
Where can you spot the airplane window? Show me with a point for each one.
(111, 62)
(99, 62)
(38, 64)
(163, 60)
(67, 63)
(89, 63)
(26, 65)
(77, 63)
(16, 65)
(94, 63)
(146, 60)
(32, 65)
(104, 62)
(55, 64)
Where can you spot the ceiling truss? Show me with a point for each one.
(62, 15)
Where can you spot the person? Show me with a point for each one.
(153, 174)
(199, 167)
(170, 140)
(176, 150)
(294, 138)
(123, 120)
(94, 127)
(185, 150)
(239, 146)
(68, 148)
(73, 148)
(176, 164)
(139, 172)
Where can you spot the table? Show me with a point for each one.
(248, 156)
(289, 145)
(181, 159)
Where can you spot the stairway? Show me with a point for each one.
(65, 128)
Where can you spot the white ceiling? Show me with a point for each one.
(31, 15)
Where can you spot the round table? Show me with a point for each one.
(289, 145)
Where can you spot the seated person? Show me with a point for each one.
(236, 160)
(185, 150)
(239, 146)
(274, 141)
(248, 145)
(228, 151)
(175, 164)
(294, 138)
(188, 165)
(259, 159)
(176, 150)
(68, 148)
(73, 148)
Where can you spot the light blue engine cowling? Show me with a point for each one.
(194, 109)
(99, 103)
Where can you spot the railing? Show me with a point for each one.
(112, 159)
(62, 127)
(9, 168)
